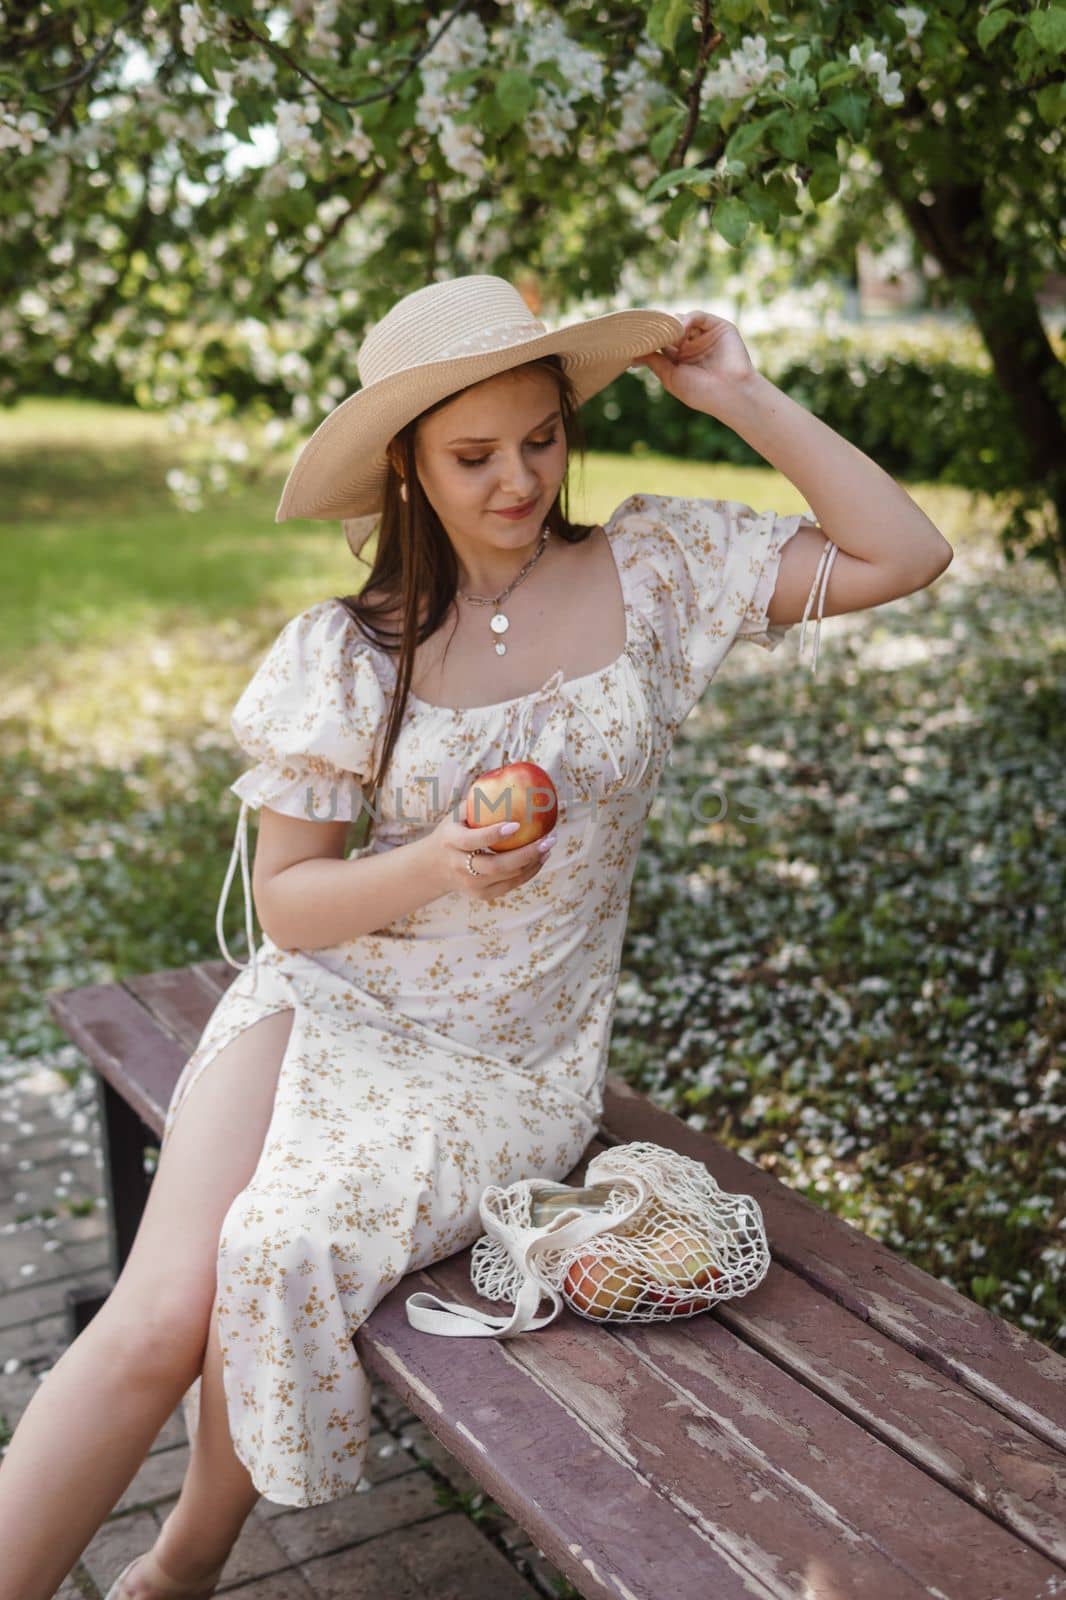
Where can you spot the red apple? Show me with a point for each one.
(518, 792)
(598, 1286)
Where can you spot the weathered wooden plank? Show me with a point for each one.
(597, 1519)
(181, 999)
(125, 1044)
(1021, 1377)
(219, 974)
(761, 1465)
(935, 1422)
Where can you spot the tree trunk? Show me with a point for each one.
(956, 232)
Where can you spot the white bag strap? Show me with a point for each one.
(466, 1322)
(429, 1314)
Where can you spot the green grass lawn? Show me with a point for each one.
(850, 968)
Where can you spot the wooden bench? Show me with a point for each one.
(852, 1428)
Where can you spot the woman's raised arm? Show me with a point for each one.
(887, 546)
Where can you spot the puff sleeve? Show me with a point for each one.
(706, 572)
(310, 719)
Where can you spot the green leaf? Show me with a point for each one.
(782, 190)
(202, 59)
(678, 212)
(991, 25)
(237, 123)
(664, 19)
(297, 207)
(831, 72)
(373, 114)
(850, 108)
(824, 179)
(487, 115)
(679, 175)
(1051, 103)
(798, 58)
(463, 77)
(747, 138)
(1048, 29)
(732, 220)
(662, 142)
(760, 202)
(736, 11)
(789, 135)
(339, 117)
(515, 94)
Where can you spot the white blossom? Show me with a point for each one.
(194, 29)
(50, 191)
(23, 132)
(889, 87)
(294, 121)
(358, 143)
(743, 70)
(254, 74)
(460, 146)
(548, 40)
(875, 63)
(545, 127)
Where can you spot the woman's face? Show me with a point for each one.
(497, 445)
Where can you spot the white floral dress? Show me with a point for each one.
(464, 1044)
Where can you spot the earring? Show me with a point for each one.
(403, 489)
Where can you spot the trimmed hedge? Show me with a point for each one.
(925, 414)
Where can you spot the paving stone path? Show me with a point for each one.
(418, 1527)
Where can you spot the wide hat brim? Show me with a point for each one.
(341, 471)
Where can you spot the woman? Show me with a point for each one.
(432, 1013)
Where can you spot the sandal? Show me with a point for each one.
(117, 1592)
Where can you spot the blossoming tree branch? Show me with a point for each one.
(215, 200)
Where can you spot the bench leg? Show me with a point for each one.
(125, 1138)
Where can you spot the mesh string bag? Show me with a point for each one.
(650, 1237)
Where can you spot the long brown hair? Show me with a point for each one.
(414, 560)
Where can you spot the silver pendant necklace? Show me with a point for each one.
(499, 622)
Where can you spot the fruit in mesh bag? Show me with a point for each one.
(599, 1285)
(680, 1259)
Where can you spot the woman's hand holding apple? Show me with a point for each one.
(498, 869)
(512, 850)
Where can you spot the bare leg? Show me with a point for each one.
(216, 1498)
(92, 1422)
(79, 1444)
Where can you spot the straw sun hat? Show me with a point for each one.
(432, 343)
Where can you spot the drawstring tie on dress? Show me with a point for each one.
(240, 848)
(822, 570)
(552, 688)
